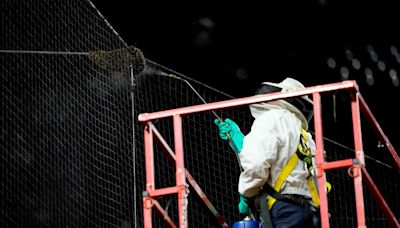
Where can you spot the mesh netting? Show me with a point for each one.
(72, 148)
(66, 125)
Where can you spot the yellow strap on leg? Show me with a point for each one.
(282, 177)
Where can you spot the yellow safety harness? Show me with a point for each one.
(303, 153)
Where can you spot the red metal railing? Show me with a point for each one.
(356, 165)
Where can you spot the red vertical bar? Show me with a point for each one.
(149, 158)
(147, 211)
(180, 172)
(319, 159)
(357, 174)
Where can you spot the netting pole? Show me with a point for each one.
(320, 160)
(180, 172)
(359, 154)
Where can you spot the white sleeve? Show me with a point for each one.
(259, 152)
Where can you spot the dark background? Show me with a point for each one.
(233, 47)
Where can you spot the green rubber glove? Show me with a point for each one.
(244, 208)
(230, 127)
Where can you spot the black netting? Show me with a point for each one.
(66, 129)
(72, 152)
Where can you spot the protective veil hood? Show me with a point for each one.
(302, 107)
(258, 109)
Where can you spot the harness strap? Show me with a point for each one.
(313, 191)
(304, 153)
(282, 177)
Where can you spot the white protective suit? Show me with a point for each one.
(267, 148)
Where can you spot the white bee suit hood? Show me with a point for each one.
(257, 109)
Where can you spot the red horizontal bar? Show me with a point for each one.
(145, 117)
(337, 164)
(163, 191)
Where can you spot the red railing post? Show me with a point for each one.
(150, 180)
(320, 160)
(357, 174)
(180, 172)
